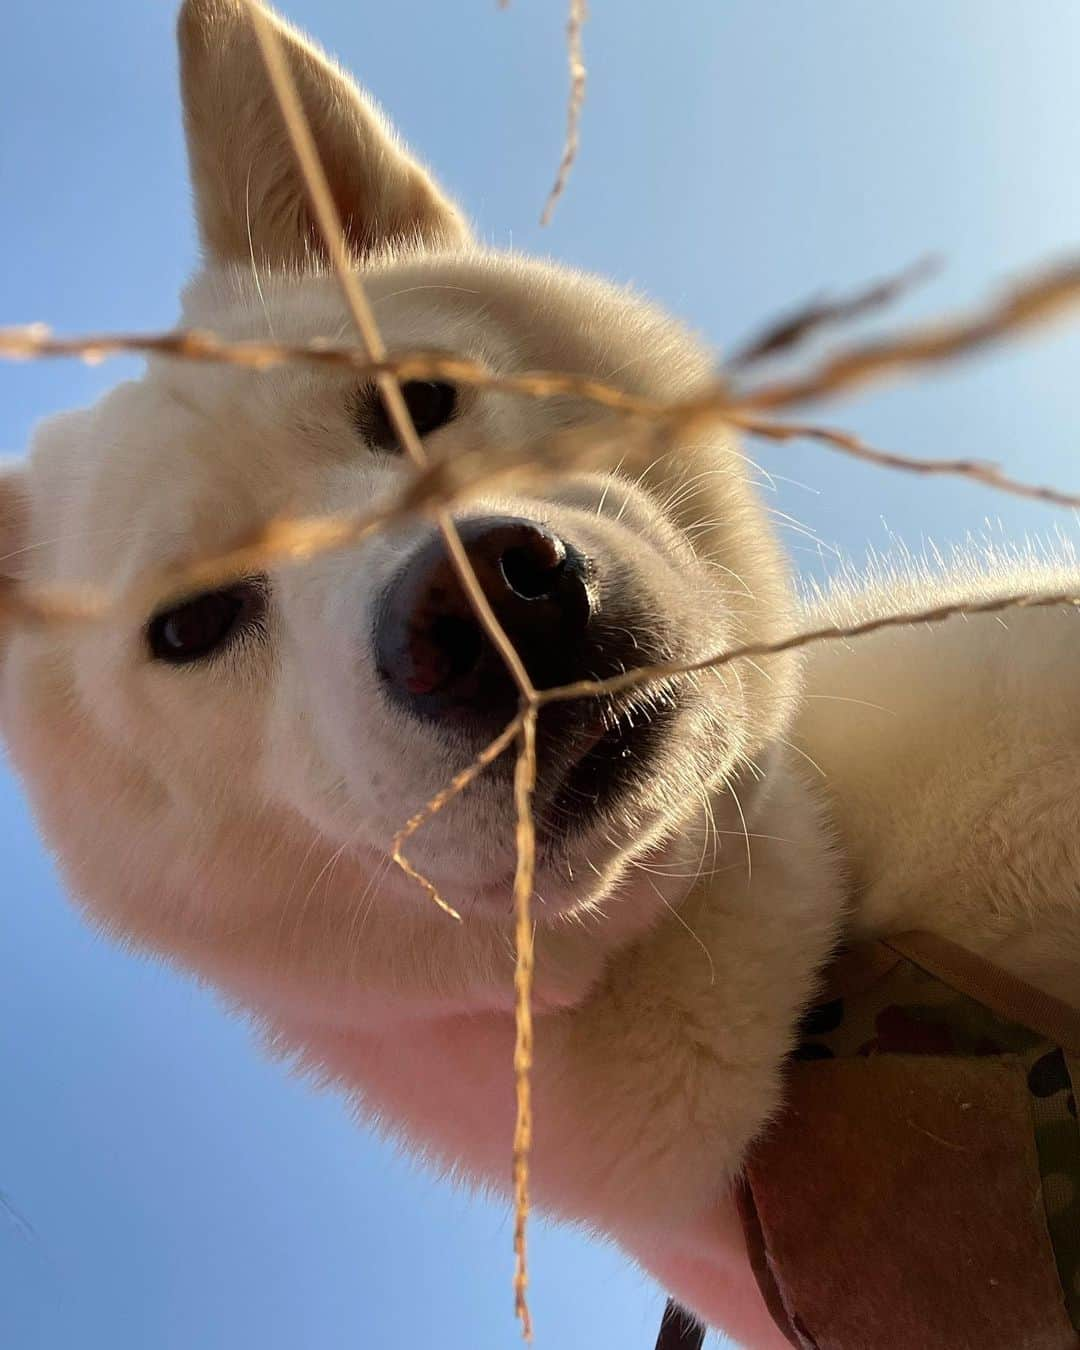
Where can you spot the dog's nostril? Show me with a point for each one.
(532, 572)
(435, 657)
(460, 641)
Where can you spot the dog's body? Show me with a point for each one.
(233, 809)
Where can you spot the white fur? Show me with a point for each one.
(949, 756)
(236, 817)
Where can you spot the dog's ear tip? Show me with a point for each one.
(194, 15)
(196, 20)
(208, 11)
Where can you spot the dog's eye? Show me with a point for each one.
(431, 405)
(204, 624)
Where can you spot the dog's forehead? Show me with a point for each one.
(193, 455)
(512, 311)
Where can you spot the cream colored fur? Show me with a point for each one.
(235, 818)
(950, 754)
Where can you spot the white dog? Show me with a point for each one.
(221, 780)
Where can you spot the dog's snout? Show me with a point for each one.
(430, 649)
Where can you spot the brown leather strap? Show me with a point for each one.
(1005, 994)
(758, 1253)
(855, 970)
(896, 1207)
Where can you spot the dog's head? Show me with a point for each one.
(222, 778)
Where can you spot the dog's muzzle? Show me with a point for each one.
(570, 615)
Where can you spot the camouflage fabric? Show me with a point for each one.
(908, 1011)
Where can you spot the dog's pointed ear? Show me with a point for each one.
(249, 197)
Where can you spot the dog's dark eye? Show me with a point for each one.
(204, 624)
(431, 405)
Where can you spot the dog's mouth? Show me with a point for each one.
(611, 757)
(594, 776)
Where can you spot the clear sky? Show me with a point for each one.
(168, 1188)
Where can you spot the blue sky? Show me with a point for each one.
(168, 1187)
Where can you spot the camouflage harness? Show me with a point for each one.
(921, 1190)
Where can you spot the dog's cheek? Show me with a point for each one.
(327, 750)
(294, 770)
(80, 781)
(335, 752)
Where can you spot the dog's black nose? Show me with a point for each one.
(432, 653)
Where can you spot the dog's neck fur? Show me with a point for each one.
(702, 1004)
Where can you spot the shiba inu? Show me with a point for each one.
(221, 781)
